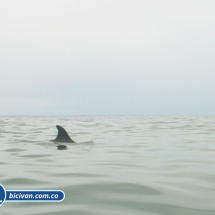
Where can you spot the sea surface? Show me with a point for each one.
(122, 165)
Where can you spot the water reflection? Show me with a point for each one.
(61, 147)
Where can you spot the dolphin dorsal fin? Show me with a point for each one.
(63, 135)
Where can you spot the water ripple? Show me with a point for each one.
(141, 165)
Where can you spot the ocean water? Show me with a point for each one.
(123, 165)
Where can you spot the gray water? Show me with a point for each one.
(127, 165)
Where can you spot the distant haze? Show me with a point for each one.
(79, 57)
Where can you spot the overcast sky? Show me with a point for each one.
(68, 57)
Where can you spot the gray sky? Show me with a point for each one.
(66, 57)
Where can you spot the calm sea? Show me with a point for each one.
(123, 165)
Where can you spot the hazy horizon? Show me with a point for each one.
(107, 57)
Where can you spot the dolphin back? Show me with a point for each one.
(63, 136)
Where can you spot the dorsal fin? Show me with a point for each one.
(63, 136)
